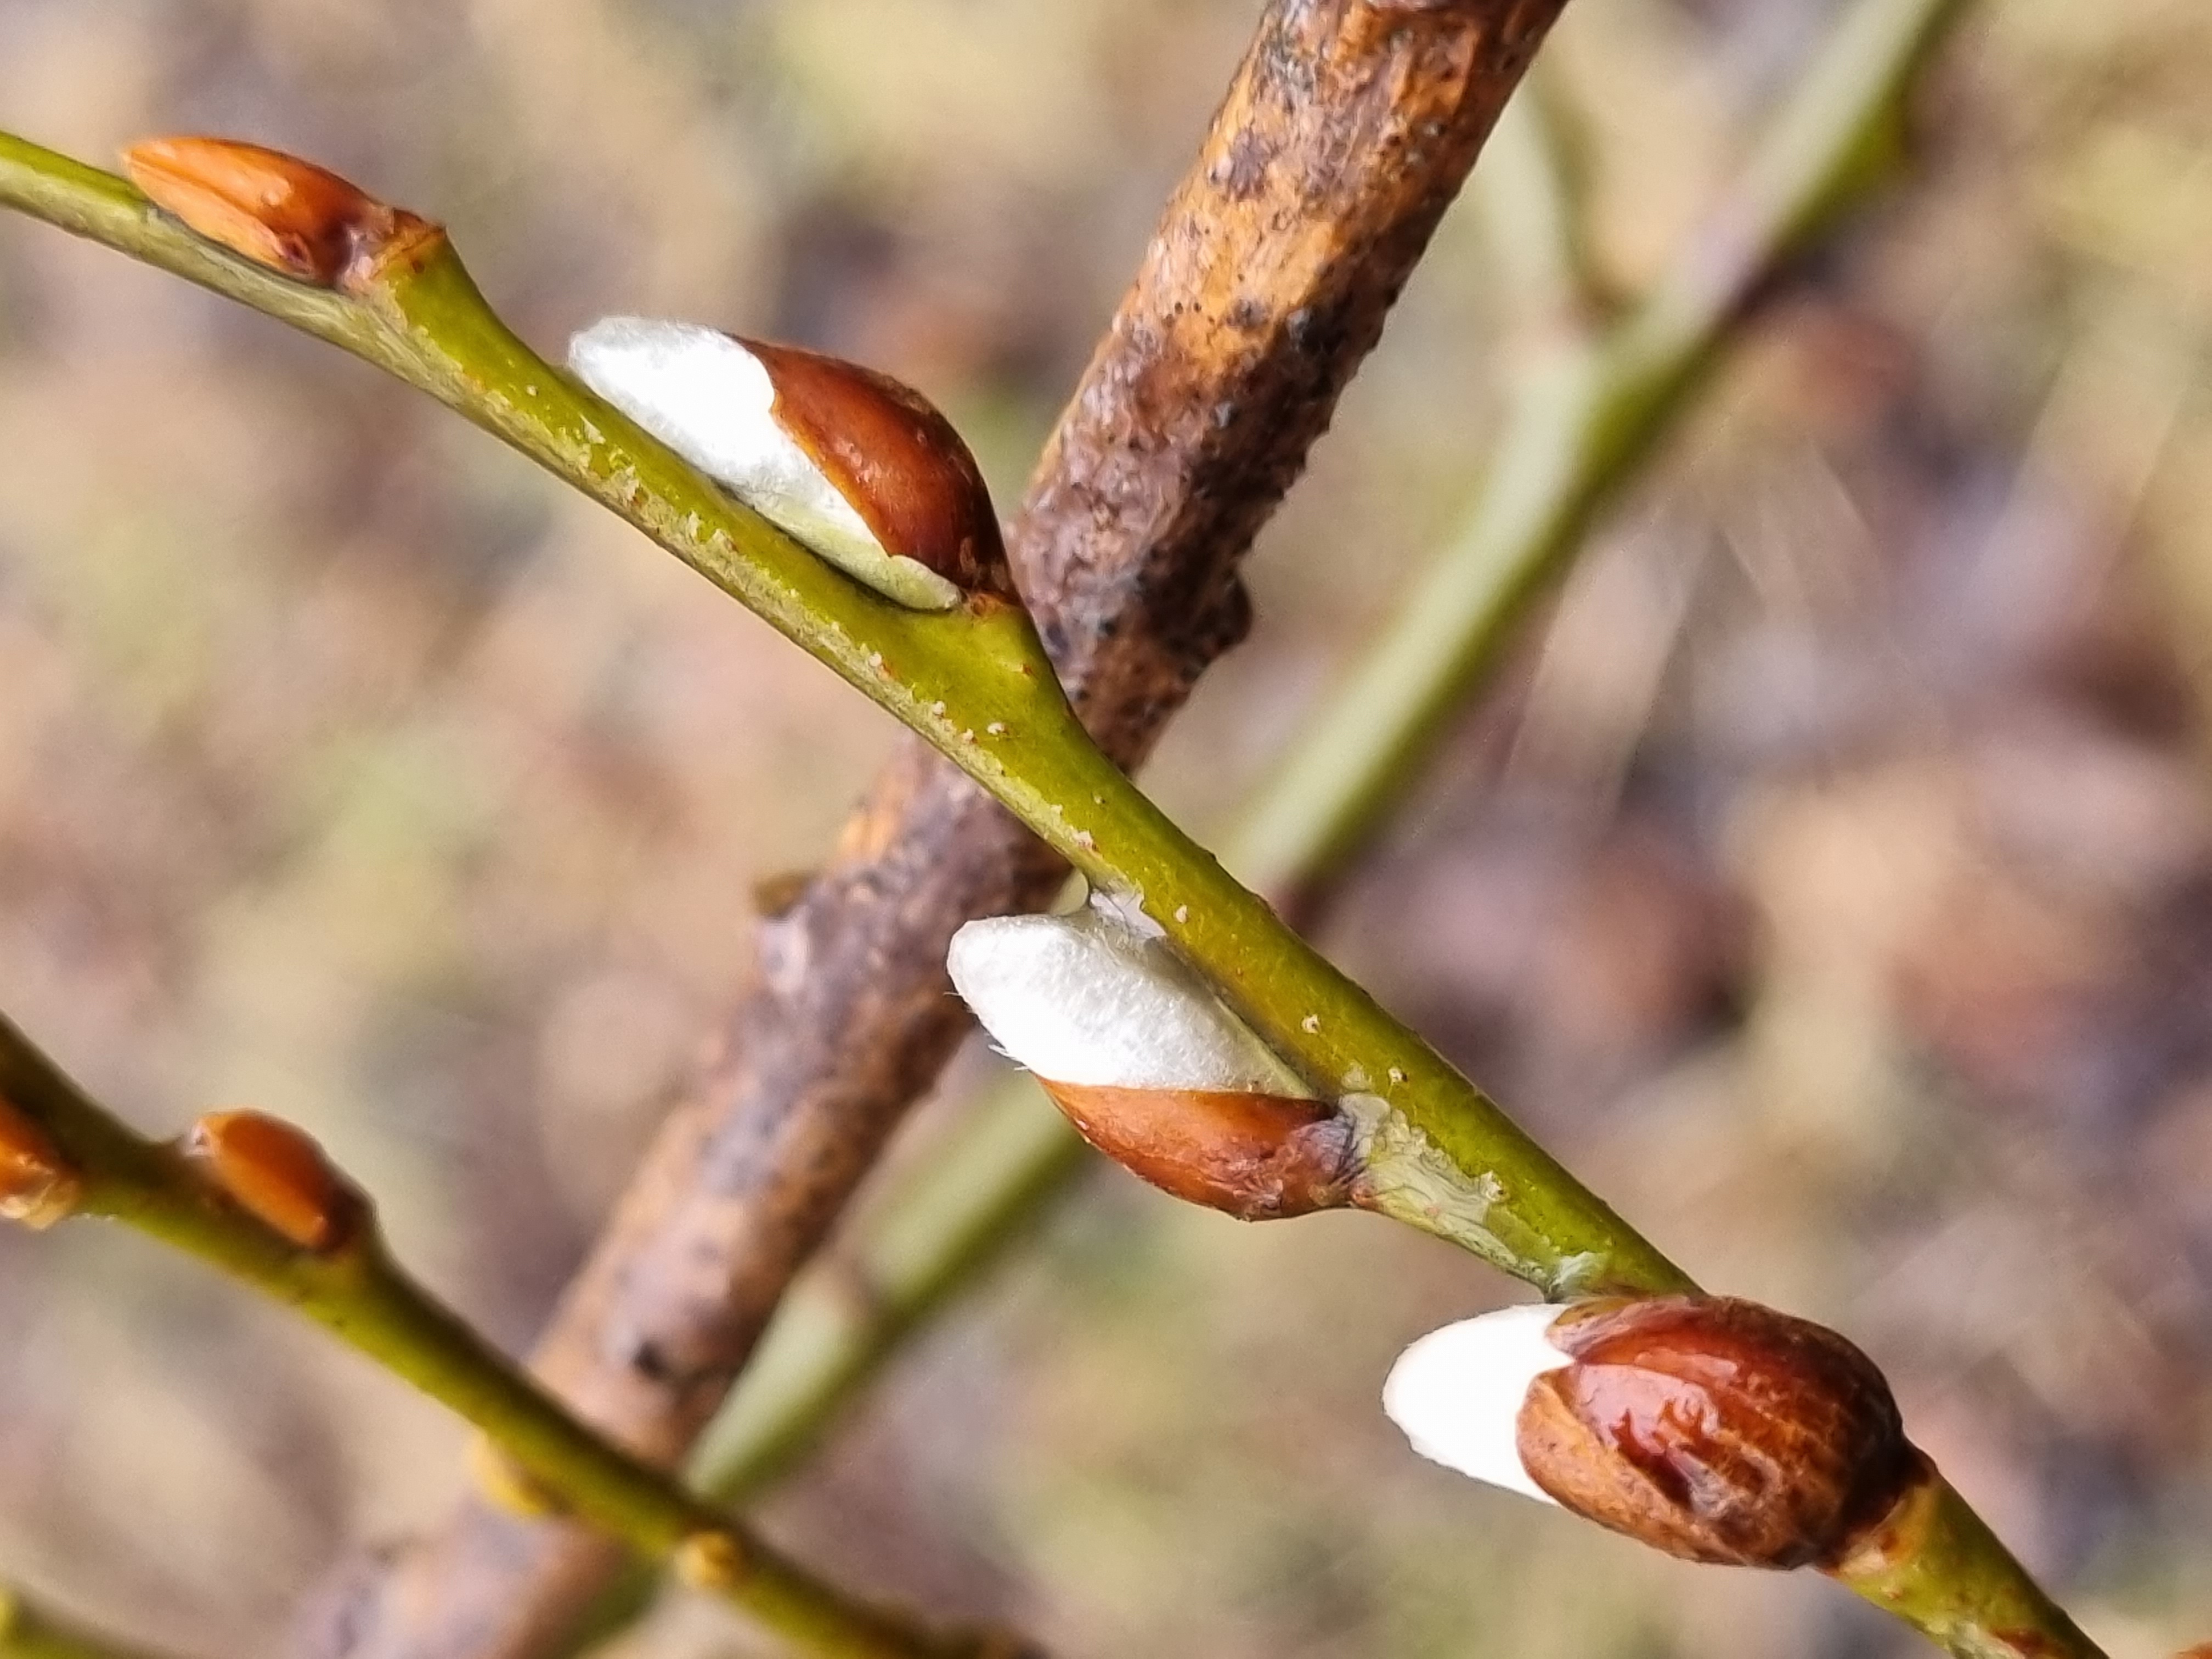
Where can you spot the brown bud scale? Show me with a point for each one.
(275, 1173)
(1716, 1430)
(1255, 1156)
(897, 459)
(38, 1187)
(277, 210)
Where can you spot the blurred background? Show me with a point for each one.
(1829, 881)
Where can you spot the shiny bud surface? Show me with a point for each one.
(1713, 1429)
(858, 468)
(278, 1174)
(276, 209)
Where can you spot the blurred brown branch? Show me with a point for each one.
(1347, 130)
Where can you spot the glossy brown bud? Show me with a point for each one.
(856, 466)
(277, 209)
(277, 1174)
(897, 458)
(1716, 1430)
(38, 1187)
(1257, 1157)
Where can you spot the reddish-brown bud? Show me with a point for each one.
(1716, 1430)
(861, 469)
(277, 209)
(38, 1187)
(898, 461)
(278, 1174)
(1255, 1156)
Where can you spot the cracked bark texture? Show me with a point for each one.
(1347, 130)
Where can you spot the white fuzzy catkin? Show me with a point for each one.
(1088, 1000)
(709, 399)
(1457, 1392)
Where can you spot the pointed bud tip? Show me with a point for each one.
(277, 1174)
(856, 466)
(276, 209)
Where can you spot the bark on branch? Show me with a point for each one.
(1349, 126)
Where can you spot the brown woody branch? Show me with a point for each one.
(1349, 126)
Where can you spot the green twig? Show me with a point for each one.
(1447, 1160)
(1584, 419)
(953, 1216)
(26, 1632)
(976, 684)
(356, 1290)
(1533, 186)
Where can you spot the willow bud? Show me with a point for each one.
(1150, 1065)
(277, 1174)
(277, 210)
(38, 1187)
(1713, 1429)
(858, 467)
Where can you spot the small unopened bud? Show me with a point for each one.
(506, 1485)
(858, 468)
(1150, 1065)
(277, 209)
(712, 1561)
(277, 1174)
(38, 1186)
(1716, 1430)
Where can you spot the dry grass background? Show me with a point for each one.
(1831, 883)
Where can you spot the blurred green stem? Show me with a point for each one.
(1583, 420)
(358, 1293)
(27, 1633)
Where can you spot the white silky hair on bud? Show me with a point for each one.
(1088, 1000)
(1457, 1392)
(710, 400)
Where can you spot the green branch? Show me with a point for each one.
(953, 1217)
(976, 684)
(26, 1632)
(974, 681)
(1584, 419)
(352, 1288)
